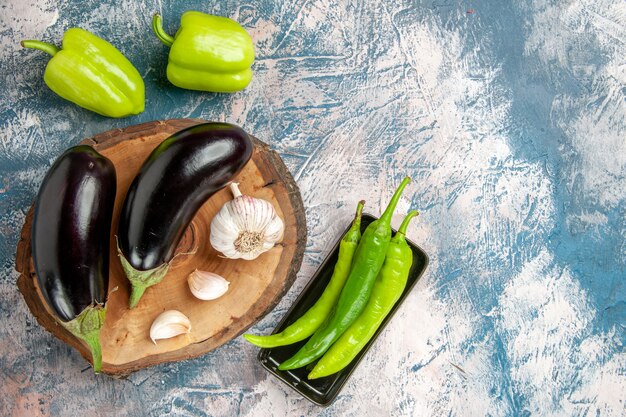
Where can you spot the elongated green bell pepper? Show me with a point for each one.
(208, 53)
(92, 73)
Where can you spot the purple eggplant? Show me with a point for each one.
(70, 241)
(183, 172)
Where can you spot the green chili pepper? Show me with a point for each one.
(368, 259)
(90, 72)
(387, 290)
(208, 53)
(310, 321)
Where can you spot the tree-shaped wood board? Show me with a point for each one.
(255, 286)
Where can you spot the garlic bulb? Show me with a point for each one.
(168, 324)
(245, 227)
(207, 285)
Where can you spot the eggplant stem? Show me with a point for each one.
(86, 326)
(141, 280)
(93, 341)
(136, 292)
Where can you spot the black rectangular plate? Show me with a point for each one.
(323, 391)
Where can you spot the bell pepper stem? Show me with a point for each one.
(157, 28)
(42, 46)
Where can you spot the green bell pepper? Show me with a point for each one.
(208, 53)
(92, 73)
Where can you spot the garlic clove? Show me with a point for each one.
(168, 324)
(274, 230)
(245, 227)
(207, 285)
(223, 231)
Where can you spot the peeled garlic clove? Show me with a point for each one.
(168, 324)
(245, 227)
(207, 285)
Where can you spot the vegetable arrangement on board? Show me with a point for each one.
(73, 217)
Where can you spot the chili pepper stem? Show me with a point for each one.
(405, 224)
(42, 46)
(86, 326)
(386, 216)
(359, 212)
(157, 28)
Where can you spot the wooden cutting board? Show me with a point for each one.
(255, 286)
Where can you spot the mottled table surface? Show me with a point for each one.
(510, 116)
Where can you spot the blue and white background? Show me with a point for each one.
(510, 116)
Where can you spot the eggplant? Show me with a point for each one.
(70, 241)
(180, 174)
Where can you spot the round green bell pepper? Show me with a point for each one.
(92, 73)
(208, 53)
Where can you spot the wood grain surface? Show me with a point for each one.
(255, 286)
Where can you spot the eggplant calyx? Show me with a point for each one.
(141, 280)
(86, 326)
